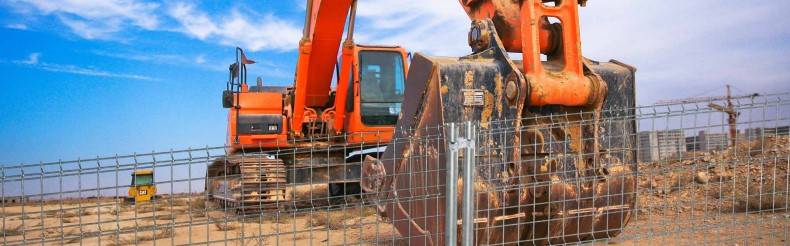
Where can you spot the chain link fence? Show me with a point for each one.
(662, 174)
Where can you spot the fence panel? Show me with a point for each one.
(662, 174)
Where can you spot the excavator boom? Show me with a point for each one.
(318, 50)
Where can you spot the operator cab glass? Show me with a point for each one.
(144, 179)
(381, 79)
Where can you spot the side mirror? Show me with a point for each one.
(227, 99)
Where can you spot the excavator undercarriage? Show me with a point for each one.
(286, 179)
(247, 182)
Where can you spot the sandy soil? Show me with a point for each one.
(184, 220)
(352, 226)
(735, 196)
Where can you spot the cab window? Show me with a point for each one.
(381, 77)
(143, 179)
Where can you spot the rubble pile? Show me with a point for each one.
(751, 177)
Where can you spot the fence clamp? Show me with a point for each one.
(462, 143)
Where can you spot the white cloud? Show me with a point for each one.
(33, 61)
(300, 4)
(200, 59)
(108, 19)
(95, 19)
(146, 57)
(434, 27)
(91, 72)
(17, 26)
(683, 48)
(194, 22)
(679, 47)
(91, 29)
(257, 33)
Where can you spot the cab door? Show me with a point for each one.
(378, 86)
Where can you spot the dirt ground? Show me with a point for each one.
(738, 196)
(184, 220)
(735, 196)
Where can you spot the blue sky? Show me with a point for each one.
(88, 78)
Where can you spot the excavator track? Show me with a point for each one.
(248, 183)
(260, 182)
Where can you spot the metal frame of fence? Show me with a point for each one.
(679, 190)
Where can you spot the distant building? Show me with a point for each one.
(712, 141)
(759, 133)
(781, 130)
(692, 143)
(751, 134)
(660, 145)
(664, 145)
(13, 199)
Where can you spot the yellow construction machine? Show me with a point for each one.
(142, 188)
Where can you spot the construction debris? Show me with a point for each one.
(750, 177)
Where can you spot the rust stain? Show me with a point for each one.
(488, 108)
(469, 79)
(558, 75)
(498, 89)
(432, 152)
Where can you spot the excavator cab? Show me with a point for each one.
(381, 82)
(375, 92)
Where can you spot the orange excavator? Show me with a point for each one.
(280, 137)
(555, 134)
(556, 129)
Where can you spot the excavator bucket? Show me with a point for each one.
(545, 175)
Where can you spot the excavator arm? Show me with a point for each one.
(318, 49)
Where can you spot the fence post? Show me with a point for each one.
(451, 186)
(468, 192)
(455, 144)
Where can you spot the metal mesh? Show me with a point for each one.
(662, 174)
